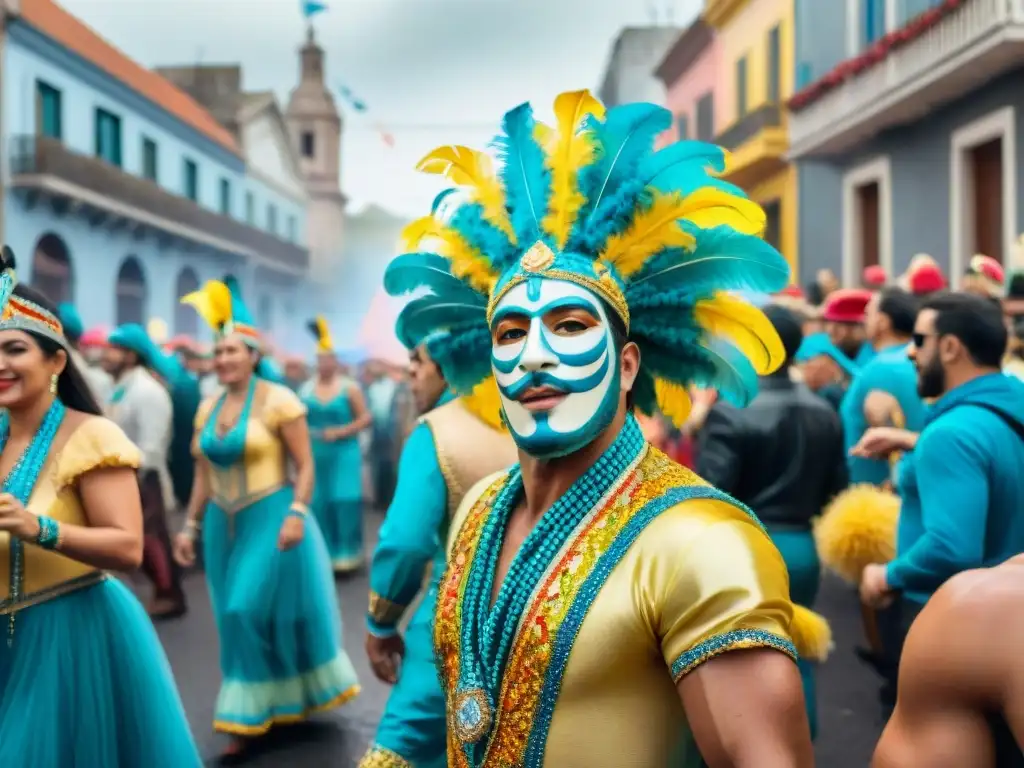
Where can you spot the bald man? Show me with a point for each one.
(961, 683)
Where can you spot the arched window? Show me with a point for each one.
(131, 293)
(52, 274)
(186, 320)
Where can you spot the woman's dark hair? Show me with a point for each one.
(72, 388)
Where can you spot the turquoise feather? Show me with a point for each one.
(441, 196)
(430, 314)
(413, 271)
(732, 373)
(464, 356)
(524, 174)
(684, 167)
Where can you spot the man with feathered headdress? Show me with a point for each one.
(591, 276)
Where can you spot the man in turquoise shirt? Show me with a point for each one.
(884, 392)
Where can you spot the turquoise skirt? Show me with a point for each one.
(277, 617)
(337, 502)
(86, 683)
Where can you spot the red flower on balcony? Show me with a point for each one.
(874, 55)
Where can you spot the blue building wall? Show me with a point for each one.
(289, 214)
(97, 254)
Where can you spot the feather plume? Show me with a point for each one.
(428, 315)
(414, 271)
(467, 263)
(652, 230)
(524, 174)
(723, 259)
(811, 634)
(709, 207)
(673, 401)
(856, 529)
(570, 150)
(623, 139)
(685, 167)
(473, 169)
(323, 334)
(463, 354)
(730, 372)
(212, 302)
(484, 402)
(745, 326)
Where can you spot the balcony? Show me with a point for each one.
(963, 49)
(45, 169)
(757, 144)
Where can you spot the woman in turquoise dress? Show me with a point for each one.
(337, 415)
(83, 678)
(267, 567)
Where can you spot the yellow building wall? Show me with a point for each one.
(745, 33)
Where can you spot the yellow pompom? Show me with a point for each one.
(811, 634)
(857, 529)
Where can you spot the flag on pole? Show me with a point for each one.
(386, 137)
(351, 99)
(311, 8)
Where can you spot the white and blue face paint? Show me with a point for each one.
(580, 362)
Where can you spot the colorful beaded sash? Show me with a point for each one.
(514, 730)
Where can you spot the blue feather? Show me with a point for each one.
(732, 373)
(485, 237)
(685, 167)
(463, 354)
(624, 138)
(524, 174)
(413, 271)
(425, 316)
(440, 199)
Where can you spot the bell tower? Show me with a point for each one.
(315, 126)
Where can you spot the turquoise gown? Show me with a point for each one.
(84, 680)
(337, 500)
(412, 730)
(276, 612)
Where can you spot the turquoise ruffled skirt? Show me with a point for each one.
(277, 617)
(86, 684)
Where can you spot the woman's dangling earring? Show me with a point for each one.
(53, 383)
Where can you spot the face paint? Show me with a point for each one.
(540, 352)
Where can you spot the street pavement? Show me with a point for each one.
(847, 704)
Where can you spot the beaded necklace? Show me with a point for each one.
(226, 450)
(487, 634)
(20, 482)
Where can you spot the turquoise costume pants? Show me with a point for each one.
(801, 556)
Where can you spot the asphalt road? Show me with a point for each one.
(848, 712)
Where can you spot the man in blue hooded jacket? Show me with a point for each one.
(961, 485)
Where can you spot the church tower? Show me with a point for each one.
(315, 127)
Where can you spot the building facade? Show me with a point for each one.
(121, 192)
(629, 73)
(755, 64)
(906, 130)
(690, 74)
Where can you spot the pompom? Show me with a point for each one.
(858, 529)
(811, 634)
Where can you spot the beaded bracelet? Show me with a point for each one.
(298, 509)
(49, 533)
(191, 528)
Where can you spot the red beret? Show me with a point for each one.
(926, 278)
(987, 267)
(847, 305)
(875, 276)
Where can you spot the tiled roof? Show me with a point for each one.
(56, 23)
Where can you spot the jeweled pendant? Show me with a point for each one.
(471, 716)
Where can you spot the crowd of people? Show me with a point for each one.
(622, 453)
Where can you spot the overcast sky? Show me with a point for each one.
(431, 72)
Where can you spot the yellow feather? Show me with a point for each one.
(324, 341)
(544, 135)
(673, 401)
(652, 230)
(571, 149)
(466, 261)
(467, 167)
(811, 634)
(745, 326)
(485, 403)
(857, 529)
(212, 302)
(709, 207)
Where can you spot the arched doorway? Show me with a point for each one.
(186, 320)
(51, 269)
(131, 293)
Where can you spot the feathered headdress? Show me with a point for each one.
(220, 305)
(655, 234)
(318, 327)
(20, 314)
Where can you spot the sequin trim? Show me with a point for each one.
(735, 640)
(382, 757)
(384, 611)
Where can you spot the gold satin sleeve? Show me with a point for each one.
(281, 406)
(713, 582)
(98, 443)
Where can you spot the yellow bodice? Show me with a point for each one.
(95, 444)
(264, 467)
(641, 595)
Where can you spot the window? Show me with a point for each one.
(774, 65)
(149, 159)
(49, 119)
(741, 88)
(293, 230)
(682, 129)
(308, 144)
(191, 180)
(250, 208)
(225, 197)
(272, 219)
(108, 137)
(706, 117)
(872, 22)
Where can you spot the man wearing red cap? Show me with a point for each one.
(874, 277)
(843, 314)
(984, 277)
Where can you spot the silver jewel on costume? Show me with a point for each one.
(471, 717)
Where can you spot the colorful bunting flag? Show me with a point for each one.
(351, 99)
(311, 8)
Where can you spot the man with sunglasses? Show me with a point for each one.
(960, 484)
